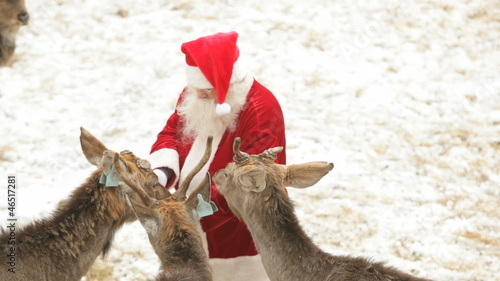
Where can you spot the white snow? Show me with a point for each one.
(404, 98)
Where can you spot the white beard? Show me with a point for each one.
(199, 115)
(201, 121)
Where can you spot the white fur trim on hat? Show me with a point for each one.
(239, 71)
(196, 79)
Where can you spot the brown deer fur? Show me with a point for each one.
(64, 245)
(254, 188)
(13, 15)
(172, 224)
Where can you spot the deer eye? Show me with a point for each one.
(223, 173)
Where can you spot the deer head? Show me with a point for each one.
(254, 174)
(132, 168)
(155, 215)
(159, 216)
(13, 13)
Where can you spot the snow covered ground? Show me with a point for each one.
(404, 98)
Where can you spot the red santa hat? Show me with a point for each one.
(213, 62)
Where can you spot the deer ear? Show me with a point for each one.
(110, 158)
(253, 180)
(92, 147)
(307, 174)
(203, 189)
(160, 192)
(107, 160)
(142, 212)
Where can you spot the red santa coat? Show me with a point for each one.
(260, 126)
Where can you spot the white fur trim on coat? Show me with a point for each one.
(165, 158)
(245, 268)
(193, 158)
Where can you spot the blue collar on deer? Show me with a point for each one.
(205, 209)
(112, 179)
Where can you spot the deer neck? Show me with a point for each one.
(280, 240)
(7, 47)
(8, 37)
(183, 250)
(191, 274)
(180, 249)
(81, 228)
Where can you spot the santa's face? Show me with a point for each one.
(206, 93)
(197, 110)
(198, 113)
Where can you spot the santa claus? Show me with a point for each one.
(221, 99)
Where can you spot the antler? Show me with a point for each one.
(239, 156)
(272, 153)
(180, 194)
(146, 199)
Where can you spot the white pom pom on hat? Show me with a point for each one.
(213, 62)
(222, 109)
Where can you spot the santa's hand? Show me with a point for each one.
(162, 176)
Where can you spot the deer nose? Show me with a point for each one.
(23, 17)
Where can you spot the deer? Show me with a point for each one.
(254, 187)
(13, 15)
(65, 245)
(172, 224)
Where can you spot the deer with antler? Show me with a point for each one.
(65, 245)
(171, 225)
(254, 187)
